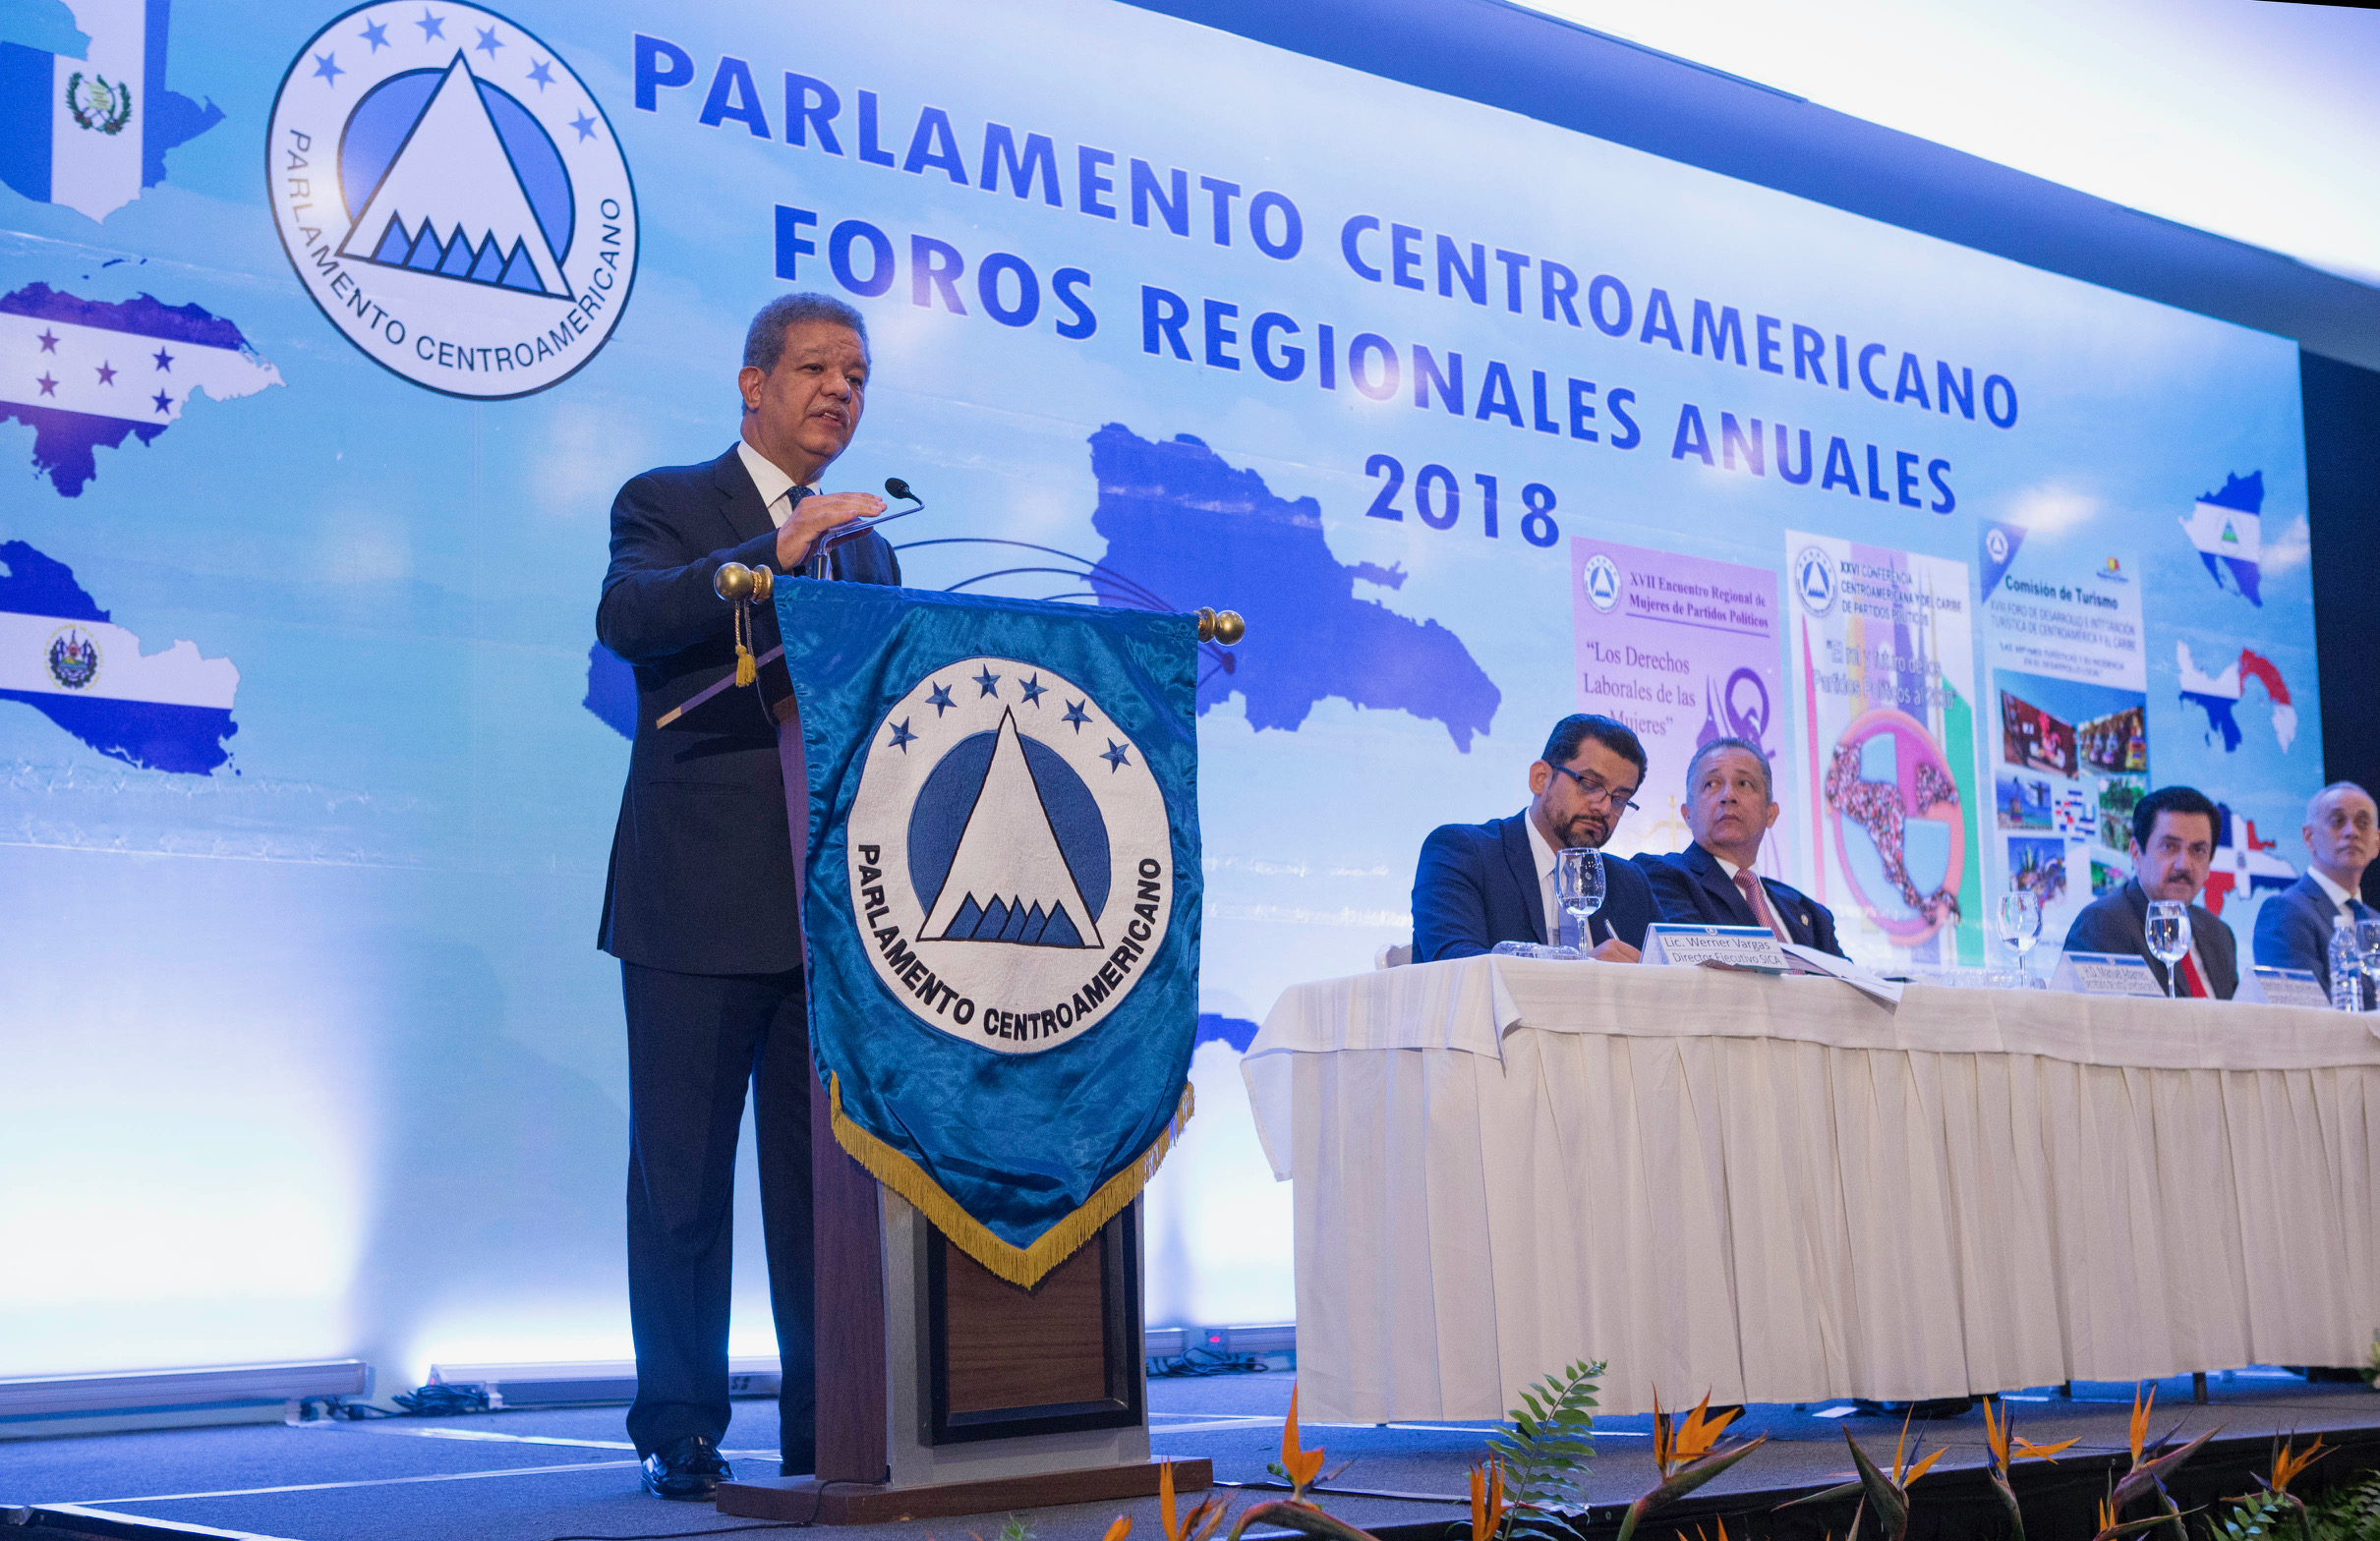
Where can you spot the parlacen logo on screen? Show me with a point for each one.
(1602, 582)
(1814, 579)
(451, 196)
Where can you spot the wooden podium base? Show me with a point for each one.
(807, 1500)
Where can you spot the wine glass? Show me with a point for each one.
(1578, 889)
(2170, 937)
(2020, 925)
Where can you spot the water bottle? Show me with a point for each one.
(2347, 967)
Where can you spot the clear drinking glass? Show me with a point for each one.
(2020, 925)
(2170, 937)
(1578, 889)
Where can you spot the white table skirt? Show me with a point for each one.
(1779, 1190)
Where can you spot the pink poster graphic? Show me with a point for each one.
(1883, 658)
(1683, 650)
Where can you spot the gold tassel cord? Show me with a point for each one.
(1024, 1266)
(746, 671)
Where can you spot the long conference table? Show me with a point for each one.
(1781, 1190)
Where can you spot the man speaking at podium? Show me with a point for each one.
(700, 903)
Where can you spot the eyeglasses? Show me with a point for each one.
(1595, 791)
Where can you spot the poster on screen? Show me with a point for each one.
(2069, 725)
(1683, 650)
(1883, 662)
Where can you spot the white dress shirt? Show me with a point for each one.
(1542, 851)
(2340, 897)
(776, 488)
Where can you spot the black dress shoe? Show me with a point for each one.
(687, 1468)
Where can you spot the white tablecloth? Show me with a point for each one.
(1781, 1190)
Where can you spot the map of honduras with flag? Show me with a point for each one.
(87, 373)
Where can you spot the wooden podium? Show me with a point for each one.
(945, 1389)
(942, 1388)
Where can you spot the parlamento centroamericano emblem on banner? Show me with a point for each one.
(1010, 859)
(451, 196)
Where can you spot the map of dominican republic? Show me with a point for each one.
(65, 658)
(1184, 528)
(87, 374)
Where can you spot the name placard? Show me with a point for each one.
(2283, 987)
(1736, 946)
(2106, 974)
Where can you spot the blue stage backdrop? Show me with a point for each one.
(326, 337)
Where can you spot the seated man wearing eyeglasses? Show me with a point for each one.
(2173, 833)
(1481, 884)
(1730, 804)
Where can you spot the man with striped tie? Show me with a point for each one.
(2343, 836)
(1731, 806)
(2173, 833)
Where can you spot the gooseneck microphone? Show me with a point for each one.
(816, 565)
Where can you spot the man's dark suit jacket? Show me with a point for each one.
(1694, 889)
(701, 861)
(1476, 886)
(2293, 928)
(2117, 921)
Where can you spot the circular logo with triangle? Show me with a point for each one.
(1602, 581)
(1011, 857)
(451, 196)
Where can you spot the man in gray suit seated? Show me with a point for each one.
(2173, 834)
(2342, 835)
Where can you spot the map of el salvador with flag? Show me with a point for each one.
(90, 130)
(83, 373)
(64, 656)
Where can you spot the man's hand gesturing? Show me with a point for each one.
(814, 516)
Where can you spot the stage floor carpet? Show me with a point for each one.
(569, 1473)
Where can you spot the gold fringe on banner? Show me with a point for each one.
(1024, 1266)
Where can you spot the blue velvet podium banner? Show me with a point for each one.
(1002, 910)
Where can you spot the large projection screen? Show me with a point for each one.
(321, 368)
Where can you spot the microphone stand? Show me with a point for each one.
(815, 564)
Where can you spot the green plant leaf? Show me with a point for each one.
(1543, 1443)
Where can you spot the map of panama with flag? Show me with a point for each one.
(89, 130)
(88, 374)
(2217, 695)
(64, 656)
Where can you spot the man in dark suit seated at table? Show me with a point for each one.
(2343, 836)
(1730, 805)
(1481, 884)
(699, 906)
(2173, 830)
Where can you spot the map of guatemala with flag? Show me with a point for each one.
(90, 131)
